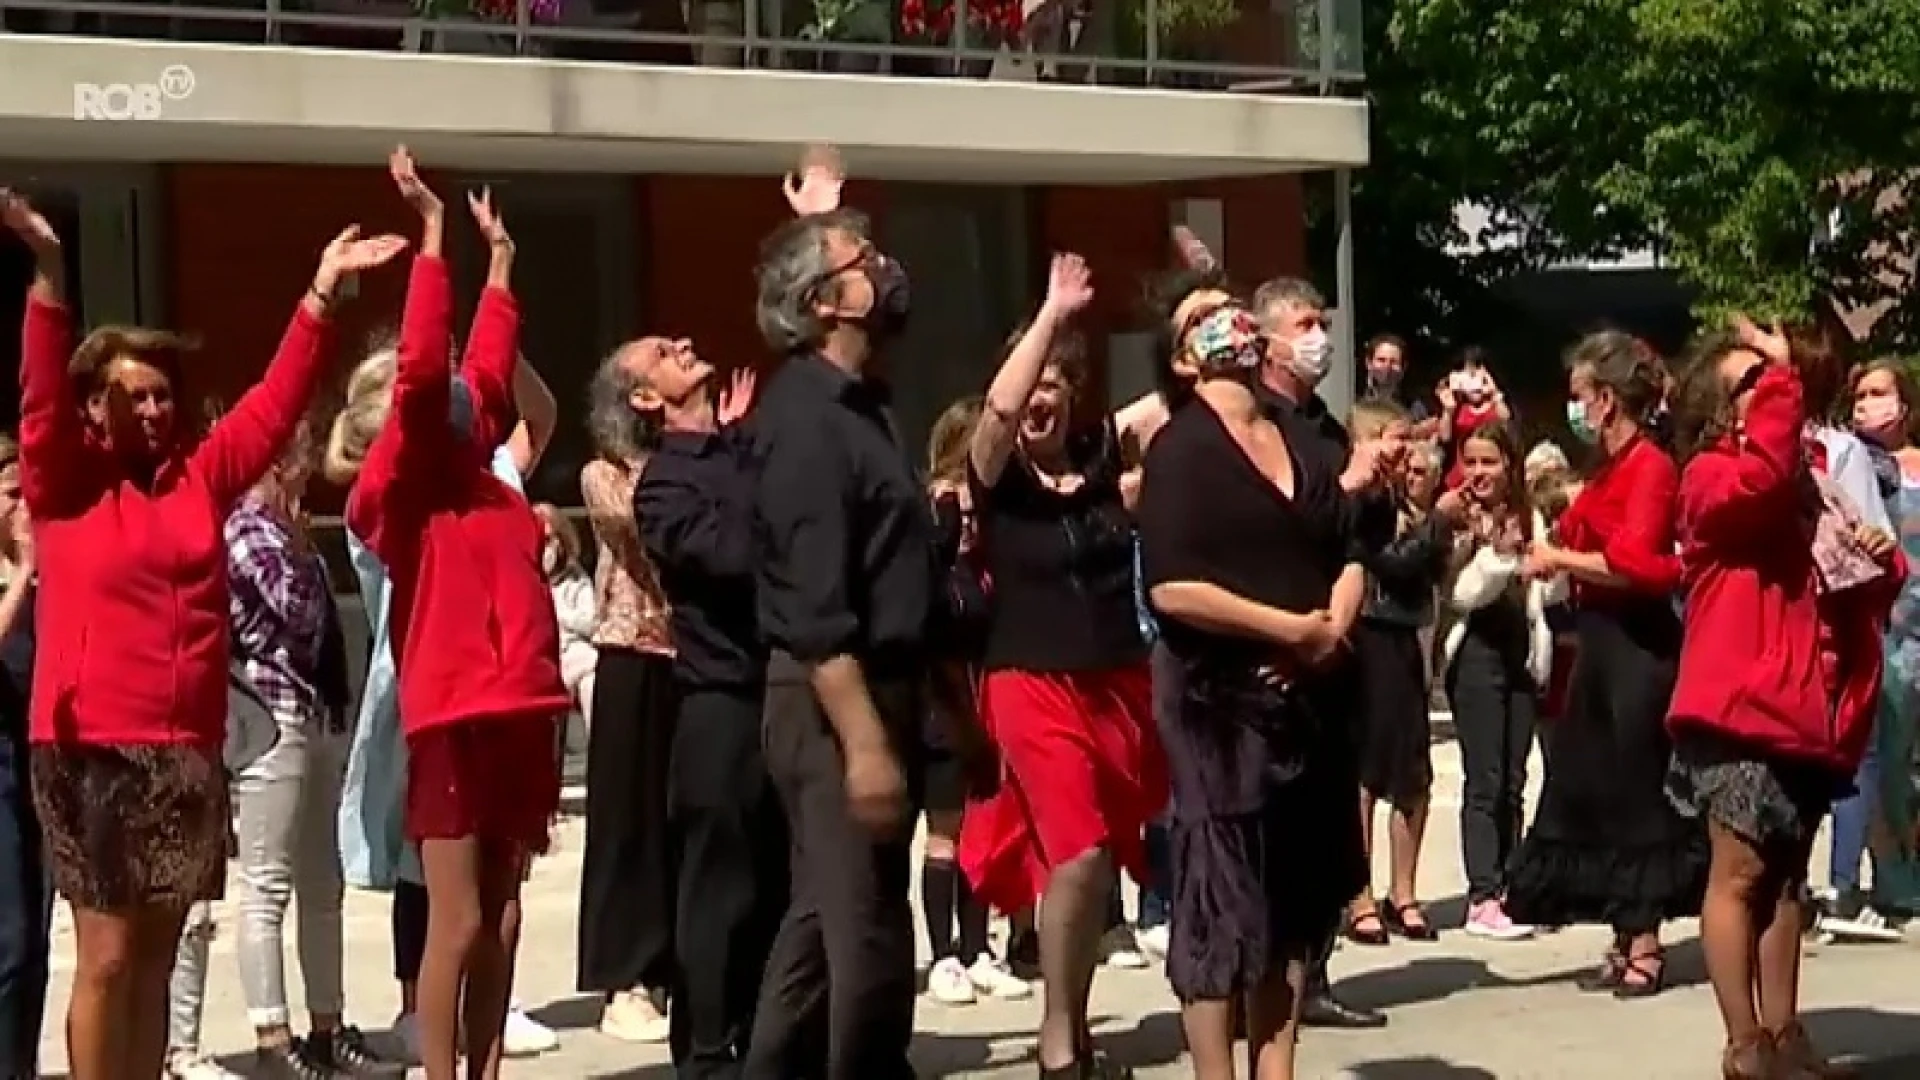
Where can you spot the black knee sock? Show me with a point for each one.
(939, 889)
(973, 920)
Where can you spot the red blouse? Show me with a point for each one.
(132, 619)
(1626, 513)
(472, 620)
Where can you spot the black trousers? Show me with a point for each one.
(626, 873)
(837, 1002)
(1494, 712)
(729, 841)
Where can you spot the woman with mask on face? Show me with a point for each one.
(1786, 603)
(1066, 696)
(1606, 845)
(1233, 531)
(1885, 403)
(128, 718)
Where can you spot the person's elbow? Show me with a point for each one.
(1182, 601)
(813, 638)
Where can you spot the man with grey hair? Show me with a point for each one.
(1293, 315)
(844, 582)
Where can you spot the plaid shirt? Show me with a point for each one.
(278, 607)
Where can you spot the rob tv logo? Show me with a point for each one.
(132, 101)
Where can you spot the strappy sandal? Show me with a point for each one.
(1796, 1059)
(1750, 1059)
(1367, 928)
(1638, 979)
(1408, 920)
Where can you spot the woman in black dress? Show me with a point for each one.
(1242, 546)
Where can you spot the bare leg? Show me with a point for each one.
(1729, 931)
(1209, 1030)
(1273, 1022)
(1073, 914)
(156, 939)
(453, 869)
(489, 985)
(1778, 977)
(1406, 828)
(103, 992)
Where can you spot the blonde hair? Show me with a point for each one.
(947, 445)
(369, 399)
(561, 527)
(1551, 491)
(1371, 419)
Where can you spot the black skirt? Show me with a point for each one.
(626, 878)
(1607, 845)
(1396, 731)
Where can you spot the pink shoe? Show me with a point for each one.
(1488, 919)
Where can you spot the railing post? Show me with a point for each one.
(522, 20)
(1325, 19)
(273, 21)
(1345, 378)
(959, 40)
(750, 29)
(1152, 15)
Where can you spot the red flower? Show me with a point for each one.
(989, 22)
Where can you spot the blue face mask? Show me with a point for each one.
(1577, 420)
(460, 408)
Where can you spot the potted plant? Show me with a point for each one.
(864, 22)
(990, 24)
(1181, 24)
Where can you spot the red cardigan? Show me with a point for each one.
(132, 618)
(1768, 659)
(472, 620)
(1625, 512)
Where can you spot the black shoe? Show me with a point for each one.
(1323, 1010)
(291, 1062)
(1023, 955)
(345, 1050)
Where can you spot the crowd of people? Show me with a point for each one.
(1184, 641)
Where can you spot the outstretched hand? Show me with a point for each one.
(492, 226)
(1193, 251)
(1768, 343)
(350, 253)
(816, 189)
(407, 178)
(1069, 285)
(737, 399)
(27, 223)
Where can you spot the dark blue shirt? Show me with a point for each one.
(694, 503)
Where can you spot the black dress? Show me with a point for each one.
(1265, 837)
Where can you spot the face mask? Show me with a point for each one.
(1311, 353)
(460, 408)
(891, 299)
(1385, 380)
(550, 558)
(1577, 420)
(1876, 416)
(1227, 340)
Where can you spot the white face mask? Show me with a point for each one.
(1312, 352)
(550, 558)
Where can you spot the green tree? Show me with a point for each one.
(1726, 132)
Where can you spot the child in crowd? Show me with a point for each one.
(573, 603)
(1406, 548)
(1470, 399)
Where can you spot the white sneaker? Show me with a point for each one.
(1118, 949)
(1155, 941)
(947, 981)
(632, 1016)
(1868, 924)
(524, 1036)
(406, 1032)
(194, 1065)
(996, 980)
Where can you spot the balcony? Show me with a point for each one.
(1256, 46)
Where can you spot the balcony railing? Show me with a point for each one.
(1278, 46)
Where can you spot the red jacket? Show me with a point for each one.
(1767, 658)
(132, 618)
(472, 620)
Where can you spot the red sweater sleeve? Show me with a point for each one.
(1641, 549)
(243, 443)
(1733, 494)
(53, 440)
(493, 348)
(416, 437)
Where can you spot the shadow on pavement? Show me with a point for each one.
(1884, 1045)
(1416, 1068)
(1439, 977)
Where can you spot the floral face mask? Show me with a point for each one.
(1227, 339)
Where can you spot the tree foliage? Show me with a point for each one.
(1726, 133)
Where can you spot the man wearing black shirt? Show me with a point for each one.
(1293, 314)
(845, 581)
(694, 504)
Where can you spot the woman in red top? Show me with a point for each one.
(1778, 681)
(1606, 845)
(129, 714)
(474, 634)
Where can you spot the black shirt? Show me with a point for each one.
(16, 672)
(1403, 568)
(1315, 435)
(694, 503)
(842, 533)
(1061, 565)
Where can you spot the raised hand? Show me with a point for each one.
(1769, 343)
(492, 226)
(350, 253)
(418, 195)
(27, 223)
(1069, 285)
(816, 189)
(737, 398)
(1193, 251)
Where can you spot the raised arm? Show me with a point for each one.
(539, 416)
(1731, 495)
(1069, 289)
(53, 441)
(493, 345)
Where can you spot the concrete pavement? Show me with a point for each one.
(1461, 1009)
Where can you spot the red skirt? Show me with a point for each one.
(1080, 767)
(495, 778)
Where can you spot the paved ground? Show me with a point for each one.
(1461, 1009)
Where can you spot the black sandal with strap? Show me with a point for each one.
(1650, 981)
(1361, 934)
(1418, 928)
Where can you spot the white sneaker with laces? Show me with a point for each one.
(947, 981)
(1868, 924)
(994, 979)
(194, 1065)
(1155, 941)
(632, 1016)
(524, 1036)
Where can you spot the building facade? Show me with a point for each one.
(198, 158)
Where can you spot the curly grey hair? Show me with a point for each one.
(793, 266)
(619, 432)
(1286, 292)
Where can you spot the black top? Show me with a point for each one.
(16, 671)
(1403, 569)
(1316, 437)
(1061, 565)
(842, 534)
(1207, 514)
(694, 504)
(963, 610)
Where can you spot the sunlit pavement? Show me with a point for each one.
(1461, 1009)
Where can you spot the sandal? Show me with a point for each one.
(1613, 965)
(1642, 976)
(1407, 920)
(1750, 1059)
(1796, 1059)
(1367, 928)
